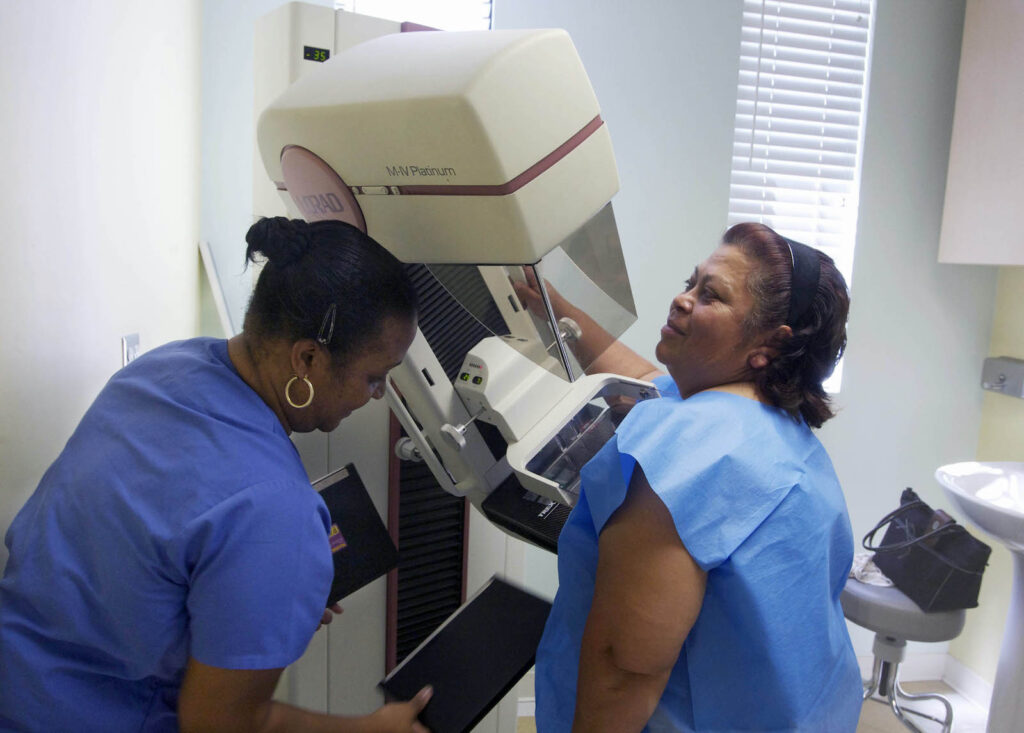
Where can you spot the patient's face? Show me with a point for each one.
(703, 343)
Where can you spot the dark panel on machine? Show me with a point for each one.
(431, 550)
(525, 514)
(432, 522)
(451, 329)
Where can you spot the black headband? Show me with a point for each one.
(806, 271)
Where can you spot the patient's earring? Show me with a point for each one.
(288, 394)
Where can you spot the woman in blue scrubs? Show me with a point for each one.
(174, 558)
(700, 572)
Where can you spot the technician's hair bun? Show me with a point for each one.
(282, 241)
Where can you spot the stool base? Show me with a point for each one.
(885, 682)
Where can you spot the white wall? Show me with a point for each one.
(919, 331)
(99, 201)
(228, 140)
(665, 74)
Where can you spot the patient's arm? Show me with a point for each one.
(595, 347)
(647, 595)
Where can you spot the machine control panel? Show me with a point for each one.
(472, 373)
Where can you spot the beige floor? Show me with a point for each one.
(877, 718)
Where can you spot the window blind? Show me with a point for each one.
(448, 15)
(800, 115)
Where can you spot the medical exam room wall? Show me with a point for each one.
(665, 73)
(99, 204)
(229, 139)
(1001, 439)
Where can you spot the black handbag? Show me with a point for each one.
(928, 556)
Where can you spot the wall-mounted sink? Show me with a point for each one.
(991, 496)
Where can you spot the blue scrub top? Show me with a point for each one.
(757, 504)
(177, 521)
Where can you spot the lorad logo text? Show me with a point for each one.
(320, 203)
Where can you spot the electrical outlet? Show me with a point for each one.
(129, 348)
(1003, 374)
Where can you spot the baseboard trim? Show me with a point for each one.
(525, 707)
(968, 683)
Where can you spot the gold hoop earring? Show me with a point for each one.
(288, 394)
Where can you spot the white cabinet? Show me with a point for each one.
(981, 220)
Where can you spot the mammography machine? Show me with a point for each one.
(481, 158)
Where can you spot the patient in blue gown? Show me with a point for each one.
(700, 572)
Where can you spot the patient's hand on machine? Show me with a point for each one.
(530, 297)
(595, 347)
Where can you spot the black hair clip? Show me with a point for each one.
(327, 325)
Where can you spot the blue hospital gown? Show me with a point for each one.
(757, 504)
(177, 521)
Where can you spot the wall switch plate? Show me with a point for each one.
(129, 348)
(1003, 374)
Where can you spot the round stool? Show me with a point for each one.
(896, 619)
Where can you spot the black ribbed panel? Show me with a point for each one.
(524, 513)
(431, 522)
(449, 328)
(431, 530)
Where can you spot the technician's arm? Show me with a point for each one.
(647, 595)
(228, 700)
(600, 349)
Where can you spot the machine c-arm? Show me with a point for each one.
(481, 157)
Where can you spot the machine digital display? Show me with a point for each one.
(312, 53)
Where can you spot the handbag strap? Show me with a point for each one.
(895, 513)
(902, 509)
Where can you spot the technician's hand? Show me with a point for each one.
(400, 717)
(335, 609)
